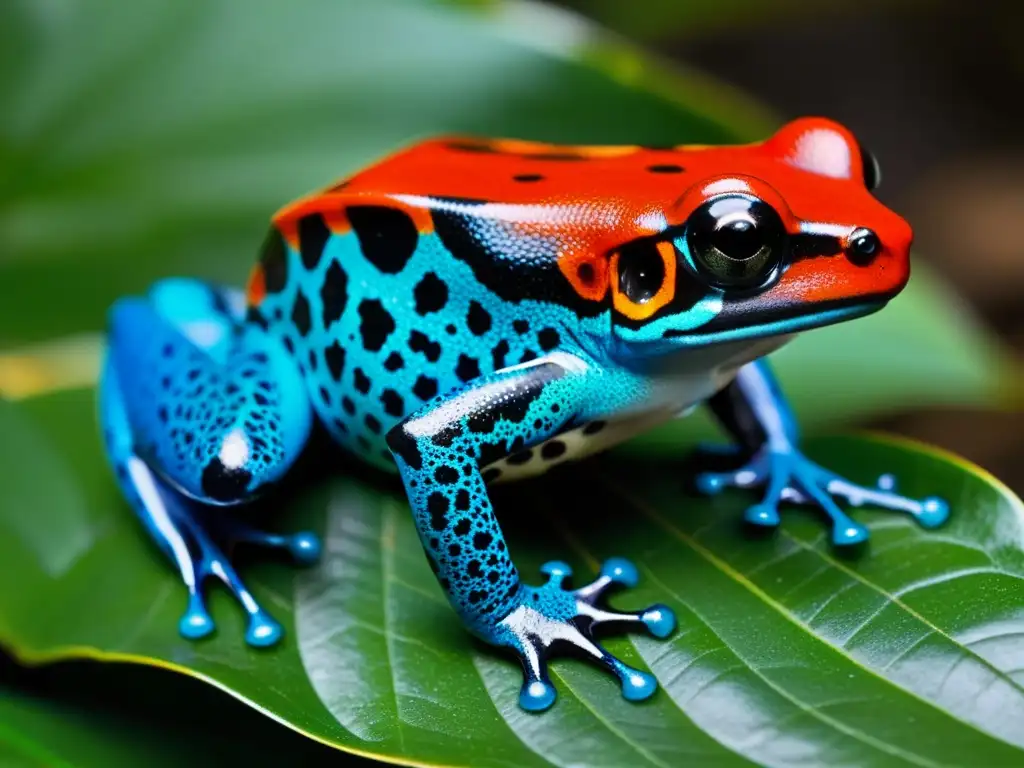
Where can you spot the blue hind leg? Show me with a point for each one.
(199, 411)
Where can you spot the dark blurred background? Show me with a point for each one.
(932, 86)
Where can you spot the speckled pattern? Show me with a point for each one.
(462, 340)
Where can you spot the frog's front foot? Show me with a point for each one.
(788, 475)
(551, 616)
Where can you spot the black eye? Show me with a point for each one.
(871, 169)
(736, 241)
(641, 271)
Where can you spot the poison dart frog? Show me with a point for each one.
(471, 311)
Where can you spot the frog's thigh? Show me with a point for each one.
(216, 407)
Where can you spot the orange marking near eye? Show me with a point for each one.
(665, 293)
(256, 289)
(586, 273)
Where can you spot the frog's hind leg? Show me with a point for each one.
(200, 411)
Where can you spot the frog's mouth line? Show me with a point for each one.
(781, 323)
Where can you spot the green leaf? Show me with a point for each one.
(787, 652)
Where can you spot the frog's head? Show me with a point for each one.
(767, 239)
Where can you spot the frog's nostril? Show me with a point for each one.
(863, 246)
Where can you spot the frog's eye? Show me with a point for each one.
(871, 169)
(644, 278)
(736, 241)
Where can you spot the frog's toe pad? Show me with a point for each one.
(660, 620)
(849, 534)
(934, 512)
(763, 515)
(537, 695)
(304, 547)
(196, 622)
(637, 685)
(263, 631)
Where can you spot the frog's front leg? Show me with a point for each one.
(200, 411)
(753, 410)
(440, 452)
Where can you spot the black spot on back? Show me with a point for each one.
(300, 313)
(393, 403)
(335, 357)
(468, 368)
(527, 177)
(431, 294)
(425, 388)
(376, 324)
(478, 319)
(665, 168)
(387, 236)
(313, 236)
(394, 362)
(274, 261)
(372, 423)
(548, 339)
(521, 326)
(498, 354)
(360, 380)
(334, 293)
(420, 342)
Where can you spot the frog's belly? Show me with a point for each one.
(676, 389)
(588, 439)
